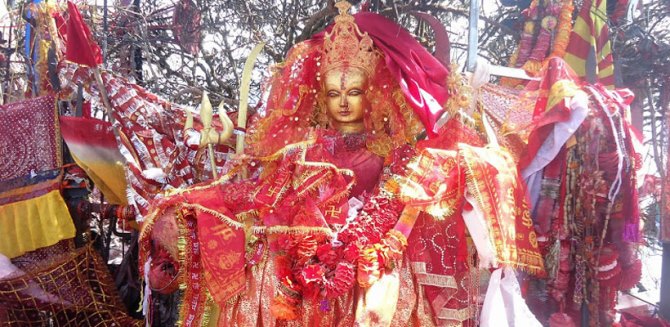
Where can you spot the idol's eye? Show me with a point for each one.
(355, 92)
(333, 94)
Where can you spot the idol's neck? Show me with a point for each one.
(349, 127)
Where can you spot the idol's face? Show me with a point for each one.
(345, 99)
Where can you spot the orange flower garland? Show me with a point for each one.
(564, 29)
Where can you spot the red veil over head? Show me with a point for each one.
(409, 89)
(421, 76)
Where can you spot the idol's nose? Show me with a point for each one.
(343, 100)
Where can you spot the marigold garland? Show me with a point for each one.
(564, 29)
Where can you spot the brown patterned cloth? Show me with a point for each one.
(29, 137)
(72, 289)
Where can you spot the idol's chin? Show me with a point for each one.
(345, 121)
(348, 120)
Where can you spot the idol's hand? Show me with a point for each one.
(376, 305)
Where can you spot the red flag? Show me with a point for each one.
(81, 48)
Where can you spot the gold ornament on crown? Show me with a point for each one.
(346, 46)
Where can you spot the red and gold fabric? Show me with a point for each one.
(217, 217)
(222, 247)
(438, 179)
(549, 97)
(94, 148)
(495, 183)
(194, 308)
(185, 253)
(491, 177)
(440, 176)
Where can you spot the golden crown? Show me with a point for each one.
(346, 46)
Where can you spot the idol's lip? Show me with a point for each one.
(344, 113)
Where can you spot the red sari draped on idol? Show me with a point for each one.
(293, 273)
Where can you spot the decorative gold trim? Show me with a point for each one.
(459, 315)
(222, 218)
(425, 278)
(295, 230)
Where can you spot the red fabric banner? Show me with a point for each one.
(81, 48)
(222, 246)
(94, 148)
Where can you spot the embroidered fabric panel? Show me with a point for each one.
(29, 137)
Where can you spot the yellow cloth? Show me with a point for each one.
(31, 224)
(108, 176)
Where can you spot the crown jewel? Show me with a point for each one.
(346, 46)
